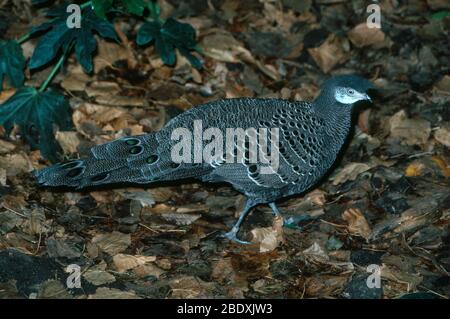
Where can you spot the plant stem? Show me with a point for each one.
(86, 4)
(54, 71)
(24, 38)
(154, 10)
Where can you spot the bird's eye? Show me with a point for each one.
(351, 91)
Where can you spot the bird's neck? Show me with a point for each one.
(337, 115)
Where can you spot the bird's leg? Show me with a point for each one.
(275, 210)
(232, 234)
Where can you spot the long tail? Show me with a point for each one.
(136, 159)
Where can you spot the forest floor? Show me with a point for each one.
(384, 210)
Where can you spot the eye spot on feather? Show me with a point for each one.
(174, 165)
(75, 172)
(252, 168)
(152, 159)
(136, 150)
(71, 164)
(99, 177)
(132, 141)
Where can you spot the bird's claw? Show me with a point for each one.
(231, 235)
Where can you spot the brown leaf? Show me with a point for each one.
(112, 293)
(269, 238)
(442, 135)
(16, 164)
(69, 141)
(125, 262)
(329, 54)
(350, 172)
(108, 53)
(112, 243)
(357, 223)
(53, 289)
(443, 86)
(411, 131)
(76, 79)
(98, 277)
(414, 169)
(325, 285)
(6, 147)
(148, 270)
(362, 35)
(188, 287)
(442, 165)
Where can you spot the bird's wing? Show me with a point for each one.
(149, 158)
(299, 136)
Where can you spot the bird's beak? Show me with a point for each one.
(368, 98)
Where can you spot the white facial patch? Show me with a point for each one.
(349, 96)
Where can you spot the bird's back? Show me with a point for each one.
(307, 146)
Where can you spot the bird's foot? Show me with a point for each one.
(232, 235)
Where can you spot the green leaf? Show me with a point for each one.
(60, 38)
(101, 7)
(440, 15)
(12, 63)
(35, 113)
(168, 36)
(135, 6)
(148, 32)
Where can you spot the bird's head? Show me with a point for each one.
(347, 89)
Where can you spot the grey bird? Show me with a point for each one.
(305, 136)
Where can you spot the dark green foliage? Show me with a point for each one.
(12, 63)
(35, 113)
(440, 15)
(62, 38)
(135, 6)
(168, 36)
(102, 7)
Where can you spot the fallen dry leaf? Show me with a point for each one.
(414, 169)
(98, 277)
(112, 243)
(326, 285)
(125, 262)
(187, 287)
(16, 164)
(357, 223)
(269, 238)
(317, 253)
(362, 35)
(113, 293)
(329, 54)
(148, 270)
(69, 141)
(442, 135)
(443, 86)
(350, 172)
(411, 131)
(442, 165)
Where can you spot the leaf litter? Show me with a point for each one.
(386, 204)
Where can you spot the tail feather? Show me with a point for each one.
(136, 159)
